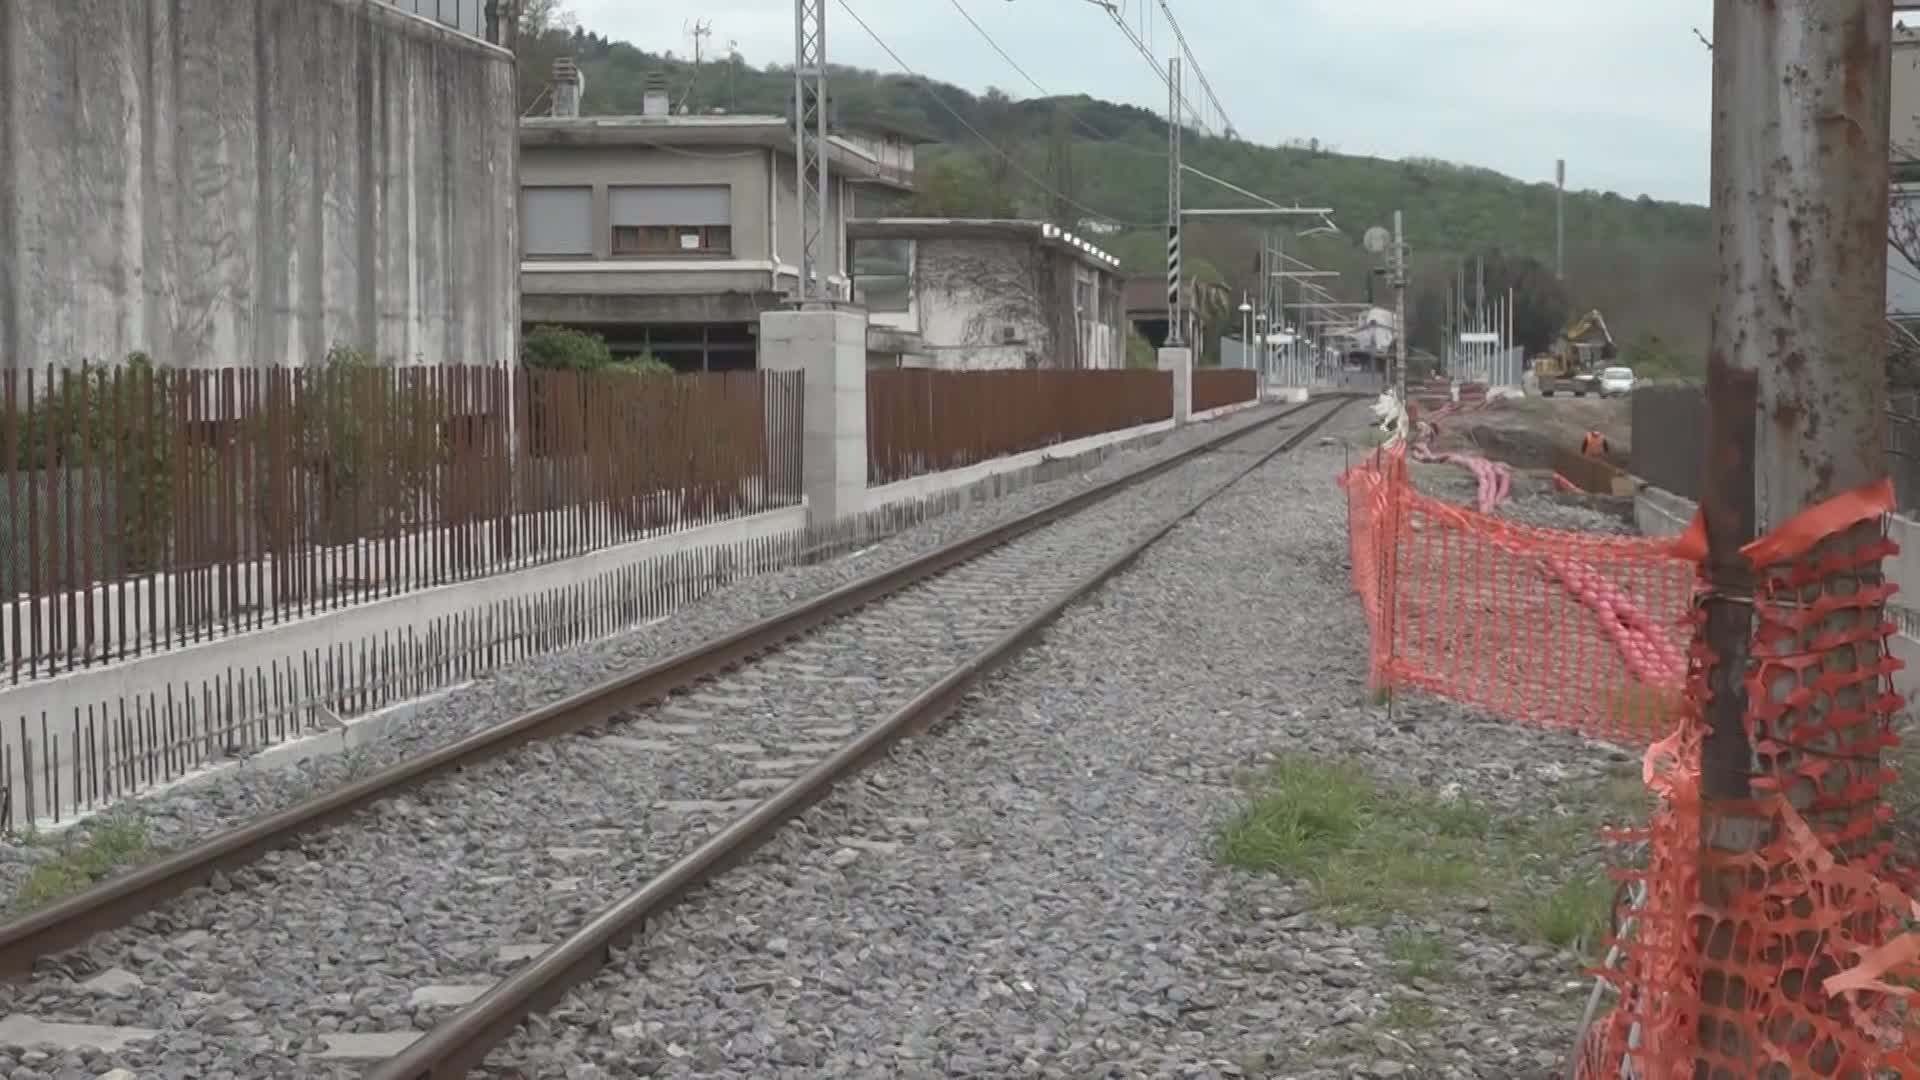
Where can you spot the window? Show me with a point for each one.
(556, 221)
(662, 220)
(1085, 307)
(883, 273)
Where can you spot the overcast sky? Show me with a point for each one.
(1620, 88)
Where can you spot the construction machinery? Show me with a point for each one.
(1577, 357)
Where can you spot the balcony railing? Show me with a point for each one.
(466, 16)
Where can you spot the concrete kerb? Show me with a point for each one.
(188, 668)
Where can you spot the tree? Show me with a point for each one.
(1001, 123)
(1903, 262)
(1064, 197)
(543, 31)
(1540, 304)
(955, 186)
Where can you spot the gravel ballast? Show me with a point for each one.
(180, 815)
(307, 963)
(1035, 889)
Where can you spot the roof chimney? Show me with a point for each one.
(655, 96)
(567, 85)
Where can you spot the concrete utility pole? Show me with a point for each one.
(810, 143)
(1400, 299)
(1796, 396)
(1277, 325)
(1175, 338)
(1560, 219)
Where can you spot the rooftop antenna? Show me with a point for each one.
(700, 32)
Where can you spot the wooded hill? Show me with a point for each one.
(1645, 263)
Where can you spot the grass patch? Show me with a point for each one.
(1344, 1043)
(1417, 957)
(1370, 852)
(83, 856)
(1407, 1016)
(1365, 851)
(1573, 916)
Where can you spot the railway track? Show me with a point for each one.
(462, 906)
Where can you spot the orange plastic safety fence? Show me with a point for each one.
(1783, 947)
(1554, 629)
(1769, 936)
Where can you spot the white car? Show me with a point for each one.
(1616, 382)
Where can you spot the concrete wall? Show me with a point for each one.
(251, 181)
(972, 287)
(1659, 512)
(969, 291)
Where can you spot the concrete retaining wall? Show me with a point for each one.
(1659, 512)
(220, 182)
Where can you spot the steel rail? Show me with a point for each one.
(117, 901)
(462, 1042)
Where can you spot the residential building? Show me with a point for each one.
(669, 233)
(1903, 255)
(251, 182)
(984, 294)
(1369, 340)
(1145, 299)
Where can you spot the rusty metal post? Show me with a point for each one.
(1795, 377)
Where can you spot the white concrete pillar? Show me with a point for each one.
(1180, 362)
(830, 346)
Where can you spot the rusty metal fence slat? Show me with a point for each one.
(143, 508)
(1215, 388)
(922, 421)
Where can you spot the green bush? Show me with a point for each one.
(644, 364)
(1140, 354)
(351, 402)
(1651, 357)
(562, 348)
(107, 432)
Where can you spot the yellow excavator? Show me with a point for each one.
(1574, 364)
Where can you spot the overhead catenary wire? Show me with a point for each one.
(1145, 49)
(1199, 72)
(920, 84)
(1044, 92)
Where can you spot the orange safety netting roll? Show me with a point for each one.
(1562, 630)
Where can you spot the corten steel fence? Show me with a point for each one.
(1670, 439)
(143, 508)
(1215, 388)
(921, 421)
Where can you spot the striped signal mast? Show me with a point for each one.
(1175, 330)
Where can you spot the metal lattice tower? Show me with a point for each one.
(810, 142)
